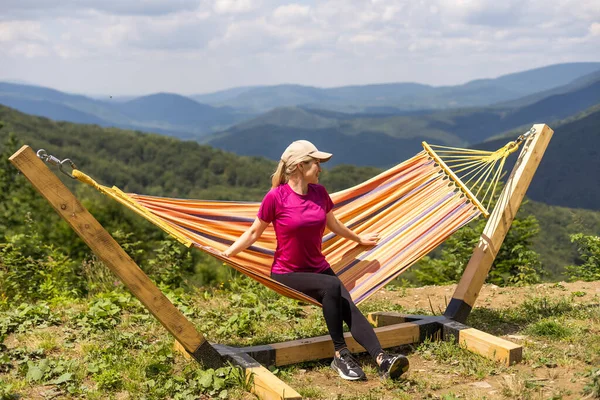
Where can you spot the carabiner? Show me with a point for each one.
(71, 164)
(50, 159)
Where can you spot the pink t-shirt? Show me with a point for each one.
(299, 222)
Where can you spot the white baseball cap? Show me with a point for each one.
(300, 149)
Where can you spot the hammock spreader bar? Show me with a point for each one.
(455, 178)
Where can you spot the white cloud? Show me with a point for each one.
(291, 12)
(44, 9)
(29, 50)
(233, 6)
(18, 31)
(235, 42)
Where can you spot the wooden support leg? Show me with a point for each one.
(264, 384)
(498, 224)
(115, 258)
(484, 344)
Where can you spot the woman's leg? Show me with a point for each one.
(338, 307)
(359, 326)
(327, 290)
(390, 365)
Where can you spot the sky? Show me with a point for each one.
(135, 47)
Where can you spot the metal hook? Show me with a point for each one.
(71, 164)
(526, 135)
(50, 159)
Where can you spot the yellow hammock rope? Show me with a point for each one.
(473, 170)
(415, 206)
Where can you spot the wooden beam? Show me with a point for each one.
(269, 387)
(115, 258)
(317, 348)
(498, 224)
(484, 344)
(264, 383)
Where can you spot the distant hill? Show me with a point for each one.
(164, 113)
(361, 149)
(347, 98)
(569, 171)
(194, 118)
(40, 101)
(402, 96)
(576, 84)
(477, 125)
(48, 109)
(222, 95)
(393, 137)
(175, 110)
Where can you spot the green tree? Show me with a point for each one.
(588, 247)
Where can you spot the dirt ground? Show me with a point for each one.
(430, 378)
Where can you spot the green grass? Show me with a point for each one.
(462, 361)
(550, 328)
(107, 345)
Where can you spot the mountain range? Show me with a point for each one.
(164, 113)
(567, 99)
(195, 117)
(396, 97)
(383, 139)
(569, 173)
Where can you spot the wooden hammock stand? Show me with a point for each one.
(392, 329)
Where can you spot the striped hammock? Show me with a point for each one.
(414, 206)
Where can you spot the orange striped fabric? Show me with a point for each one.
(414, 206)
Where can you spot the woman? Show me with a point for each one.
(299, 209)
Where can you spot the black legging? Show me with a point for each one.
(327, 289)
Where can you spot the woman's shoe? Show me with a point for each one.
(347, 367)
(392, 366)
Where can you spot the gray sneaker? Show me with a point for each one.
(392, 366)
(347, 367)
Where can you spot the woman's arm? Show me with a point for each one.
(335, 226)
(247, 238)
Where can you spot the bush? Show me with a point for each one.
(588, 247)
(32, 270)
(515, 264)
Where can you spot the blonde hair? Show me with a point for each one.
(283, 172)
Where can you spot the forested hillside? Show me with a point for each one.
(158, 165)
(568, 173)
(155, 164)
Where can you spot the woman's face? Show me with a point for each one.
(311, 171)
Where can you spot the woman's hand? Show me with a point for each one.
(369, 239)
